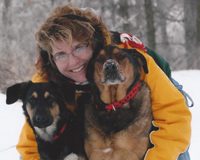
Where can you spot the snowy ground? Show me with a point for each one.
(12, 118)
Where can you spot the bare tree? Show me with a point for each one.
(160, 24)
(191, 38)
(148, 5)
(198, 21)
(161, 5)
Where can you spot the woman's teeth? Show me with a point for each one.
(78, 69)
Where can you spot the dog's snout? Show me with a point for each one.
(42, 121)
(110, 65)
(111, 72)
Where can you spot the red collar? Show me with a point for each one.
(57, 135)
(126, 99)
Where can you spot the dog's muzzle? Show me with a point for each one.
(42, 120)
(111, 72)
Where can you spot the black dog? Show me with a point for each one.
(53, 118)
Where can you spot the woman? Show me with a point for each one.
(66, 42)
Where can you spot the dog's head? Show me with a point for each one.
(114, 70)
(43, 104)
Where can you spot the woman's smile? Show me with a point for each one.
(78, 69)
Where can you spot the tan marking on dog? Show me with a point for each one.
(71, 107)
(123, 145)
(116, 51)
(30, 111)
(96, 144)
(117, 147)
(34, 95)
(113, 92)
(55, 111)
(105, 94)
(128, 71)
(46, 94)
(102, 53)
(104, 89)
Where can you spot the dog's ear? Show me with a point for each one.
(115, 37)
(16, 92)
(139, 57)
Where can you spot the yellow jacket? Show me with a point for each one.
(170, 113)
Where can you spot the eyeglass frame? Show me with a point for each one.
(62, 56)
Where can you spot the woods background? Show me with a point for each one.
(170, 27)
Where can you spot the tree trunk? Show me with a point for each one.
(162, 40)
(123, 12)
(198, 22)
(191, 37)
(148, 5)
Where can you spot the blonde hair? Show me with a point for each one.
(62, 26)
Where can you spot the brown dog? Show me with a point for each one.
(118, 120)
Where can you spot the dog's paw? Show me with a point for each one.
(71, 156)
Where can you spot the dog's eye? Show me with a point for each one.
(51, 100)
(121, 56)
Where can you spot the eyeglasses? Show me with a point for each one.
(79, 50)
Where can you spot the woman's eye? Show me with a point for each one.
(78, 49)
(59, 56)
(121, 56)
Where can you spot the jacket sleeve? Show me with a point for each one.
(27, 146)
(171, 116)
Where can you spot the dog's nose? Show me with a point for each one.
(111, 72)
(42, 121)
(110, 65)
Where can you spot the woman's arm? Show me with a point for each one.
(27, 146)
(171, 116)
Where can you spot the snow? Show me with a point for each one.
(12, 117)
(11, 122)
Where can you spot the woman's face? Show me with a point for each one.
(72, 59)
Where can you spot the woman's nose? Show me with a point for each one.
(73, 60)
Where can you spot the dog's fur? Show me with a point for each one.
(57, 124)
(121, 134)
